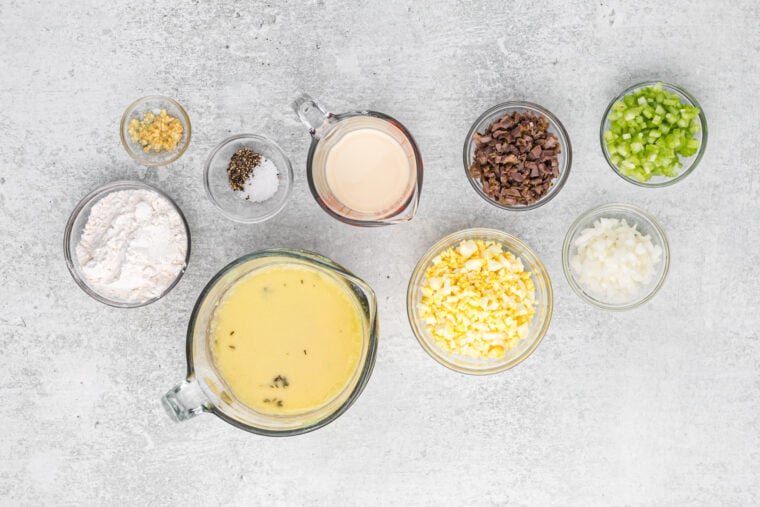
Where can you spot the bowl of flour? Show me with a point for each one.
(126, 244)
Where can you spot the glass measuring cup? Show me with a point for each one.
(205, 390)
(327, 130)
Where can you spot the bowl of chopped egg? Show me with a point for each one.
(616, 256)
(479, 301)
(155, 130)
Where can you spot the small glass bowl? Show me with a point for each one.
(564, 157)
(539, 323)
(689, 164)
(228, 201)
(154, 104)
(75, 226)
(645, 224)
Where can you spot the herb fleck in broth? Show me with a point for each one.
(287, 339)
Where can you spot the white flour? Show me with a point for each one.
(133, 246)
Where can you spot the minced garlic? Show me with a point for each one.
(477, 300)
(156, 132)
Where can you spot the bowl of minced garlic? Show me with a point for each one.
(479, 301)
(155, 130)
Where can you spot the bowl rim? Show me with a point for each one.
(452, 239)
(684, 95)
(554, 122)
(93, 197)
(137, 156)
(598, 211)
(265, 140)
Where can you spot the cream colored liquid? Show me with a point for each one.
(287, 339)
(368, 171)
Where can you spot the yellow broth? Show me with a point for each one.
(287, 338)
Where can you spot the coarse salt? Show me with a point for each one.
(263, 182)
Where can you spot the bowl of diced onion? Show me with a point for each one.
(479, 301)
(616, 256)
(653, 134)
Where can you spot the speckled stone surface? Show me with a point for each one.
(656, 406)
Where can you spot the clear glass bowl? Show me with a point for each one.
(228, 201)
(154, 104)
(689, 164)
(645, 224)
(539, 324)
(75, 226)
(564, 158)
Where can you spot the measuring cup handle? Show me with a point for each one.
(312, 114)
(185, 400)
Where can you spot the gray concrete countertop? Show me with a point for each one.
(660, 405)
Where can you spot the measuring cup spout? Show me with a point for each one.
(312, 114)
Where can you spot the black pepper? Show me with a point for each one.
(241, 167)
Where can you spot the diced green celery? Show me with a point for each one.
(650, 129)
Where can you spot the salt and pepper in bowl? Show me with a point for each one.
(248, 178)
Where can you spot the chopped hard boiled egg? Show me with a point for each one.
(477, 300)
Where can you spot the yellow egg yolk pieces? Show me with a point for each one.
(477, 300)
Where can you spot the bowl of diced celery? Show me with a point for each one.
(653, 134)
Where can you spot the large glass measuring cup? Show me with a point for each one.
(205, 389)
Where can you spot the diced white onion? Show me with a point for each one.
(613, 260)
